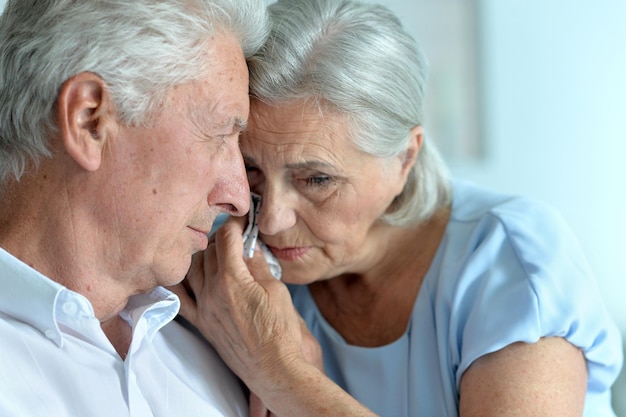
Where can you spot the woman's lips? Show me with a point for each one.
(288, 254)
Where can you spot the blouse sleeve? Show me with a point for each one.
(524, 278)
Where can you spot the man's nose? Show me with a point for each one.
(232, 192)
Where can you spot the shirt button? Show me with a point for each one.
(70, 308)
(51, 334)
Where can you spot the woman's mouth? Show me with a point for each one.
(289, 254)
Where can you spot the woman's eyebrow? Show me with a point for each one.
(311, 164)
(248, 160)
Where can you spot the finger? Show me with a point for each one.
(187, 302)
(258, 267)
(229, 250)
(203, 264)
(209, 265)
(195, 276)
(257, 408)
(209, 259)
(236, 226)
(239, 222)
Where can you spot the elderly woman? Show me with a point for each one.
(428, 297)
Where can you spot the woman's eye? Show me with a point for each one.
(253, 173)
(318, 181)
(251, 169)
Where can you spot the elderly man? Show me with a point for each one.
(119, 125)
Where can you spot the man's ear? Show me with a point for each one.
(415, 144)
(85, 118)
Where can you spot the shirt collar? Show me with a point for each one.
(156, 308)
(30, 297)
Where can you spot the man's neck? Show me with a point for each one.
(39, 229)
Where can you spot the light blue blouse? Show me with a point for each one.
(507, 270)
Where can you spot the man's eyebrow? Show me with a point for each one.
(240, 124)
(237, 124)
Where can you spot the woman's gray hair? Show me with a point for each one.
(140, 48)
(355, 59)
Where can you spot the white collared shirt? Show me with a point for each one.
(55, 360)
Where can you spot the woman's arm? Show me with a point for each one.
(546, 378)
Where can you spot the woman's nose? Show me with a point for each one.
(276, 214)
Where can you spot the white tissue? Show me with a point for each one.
(251, 234)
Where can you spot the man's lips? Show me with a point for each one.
(203, 231)
(201, 237)
(289, 254)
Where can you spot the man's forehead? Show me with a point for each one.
(211, 115)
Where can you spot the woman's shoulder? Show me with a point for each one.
(472, 203)
(511, 270)
(516, 256)
(481, 218)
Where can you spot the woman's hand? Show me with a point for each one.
(247, 316)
